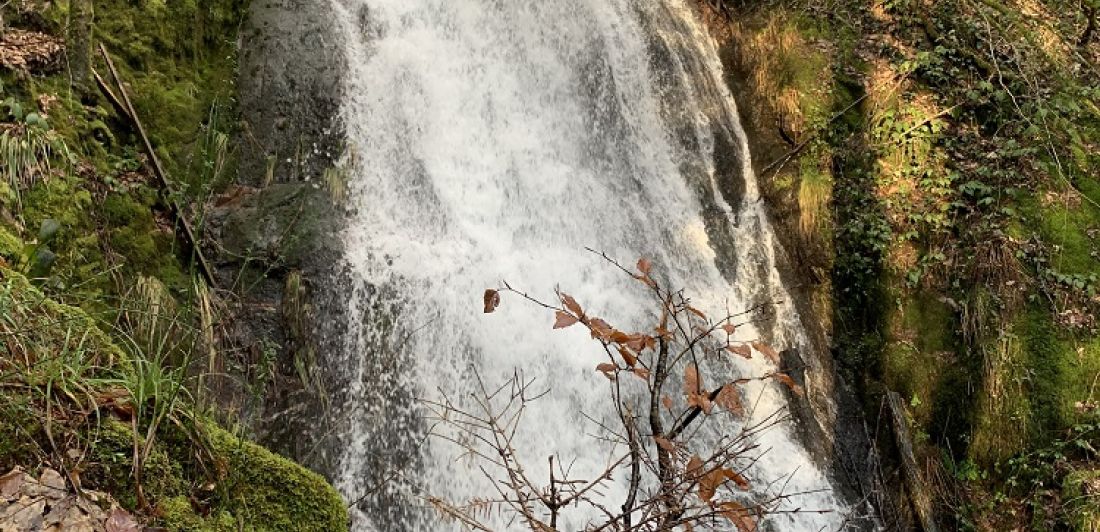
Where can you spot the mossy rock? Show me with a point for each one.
(287, 223)
(269, 492)
(1081, 495)
(111, 463)
(259, 490)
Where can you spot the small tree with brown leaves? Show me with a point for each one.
(670, 482)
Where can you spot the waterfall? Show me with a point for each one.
(494, 140)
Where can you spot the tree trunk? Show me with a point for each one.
(79, 44)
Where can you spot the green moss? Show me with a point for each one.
(258, 489)
(11, 246)
(1069, 227)
(19, 430)
(258, 484)
(138, 241)
(179, 59)
(1004, 406)
(111, 464)
(178, 514)
(921, 354)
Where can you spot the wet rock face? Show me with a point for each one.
(285, 225)
(289, 80)
(278, 231)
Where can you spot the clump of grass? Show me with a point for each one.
(61, 370)
(28, 150)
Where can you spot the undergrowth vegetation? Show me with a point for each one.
(942, 189)
(107, 327)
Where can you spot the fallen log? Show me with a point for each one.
(919, 494)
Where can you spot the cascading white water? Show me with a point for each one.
(493, 140)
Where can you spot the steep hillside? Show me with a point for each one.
(118, 127)
(934, 165)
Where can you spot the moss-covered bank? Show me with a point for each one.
(126, 333)
(73, 399)
(932, 167)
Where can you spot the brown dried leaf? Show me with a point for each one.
(628, 357)
(601, 329)
(697, 312)
(619, 337)
(741, 350)
(563, 319)
(701, 401)
(572, 304)
(789, 382)
(641, 373)
(730, 399)
(767, 350)
(708, 484)
(121, 521)
(492, 300)
(11, 482)
(639, 341)
(692, 383)
(667, 401)
(740, 516)
(737, 478)
(644, 266)
(608, 369)
(664, 443)
(29, 50)
(729, 328)
(694, 466)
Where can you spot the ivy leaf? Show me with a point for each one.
(49, 228)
